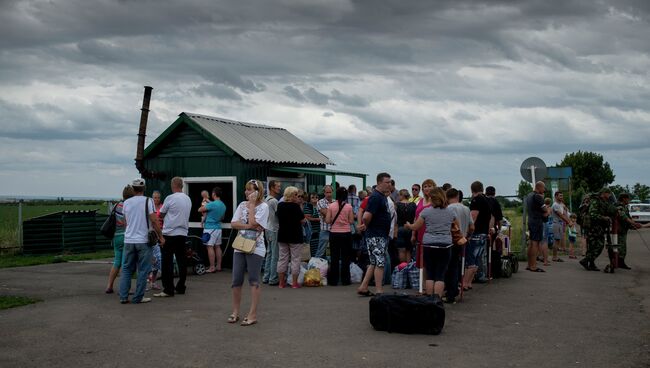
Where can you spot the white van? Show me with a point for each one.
(640, 212)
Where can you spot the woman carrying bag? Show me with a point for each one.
(250, 219)
(340, 216)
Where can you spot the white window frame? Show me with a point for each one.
(216, 180)
(277, 178)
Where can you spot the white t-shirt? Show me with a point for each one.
(136, 221)
(558, 208)
(261, 217)
(177, 208)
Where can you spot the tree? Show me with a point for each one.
(523, 190)
(590, 172)
(618, 189)
(642, 191)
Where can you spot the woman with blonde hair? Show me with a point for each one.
(250, 219)
(437, 240)
(290, 219)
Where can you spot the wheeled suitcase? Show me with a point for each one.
(409, 314)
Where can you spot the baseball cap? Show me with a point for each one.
(137, 182)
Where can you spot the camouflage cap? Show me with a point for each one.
(605, 190)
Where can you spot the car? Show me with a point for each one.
(640, 212)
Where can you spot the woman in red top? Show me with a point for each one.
(340, 216)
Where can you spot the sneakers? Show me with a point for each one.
(162, 294)
(143, 300)
(125, 301)
(155, 286)
(584, 263)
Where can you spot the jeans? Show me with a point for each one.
(477, 255)
(323, 239)
(272, 254)
(135, 255)
(174, 246)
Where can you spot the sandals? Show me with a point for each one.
(248, 322)
(558, 260)
(233, 318)
(535, 270)
(365, 293)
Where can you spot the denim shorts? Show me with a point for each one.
(475, 249)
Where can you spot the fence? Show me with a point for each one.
(64, 232)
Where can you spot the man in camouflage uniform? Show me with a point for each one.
(625, 223)
(600, 213)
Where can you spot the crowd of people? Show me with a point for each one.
(377, 229)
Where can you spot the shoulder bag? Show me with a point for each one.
(245, 245)
(109, 226)
(152, 237)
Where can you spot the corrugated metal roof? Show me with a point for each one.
(257, 142)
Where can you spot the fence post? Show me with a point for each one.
(20, 225)
(524, 246)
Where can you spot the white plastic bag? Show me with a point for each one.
(356, 273)
(319, 263)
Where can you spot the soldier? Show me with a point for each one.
(600, 211)
(625, 223)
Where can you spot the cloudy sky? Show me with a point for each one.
(452, 90)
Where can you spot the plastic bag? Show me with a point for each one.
(312, 277)
(305, 254)
(413, 276)
(400, 278)
(301, 275)
(320, 264)
(356, 273)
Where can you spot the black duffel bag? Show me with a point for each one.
(409, 314)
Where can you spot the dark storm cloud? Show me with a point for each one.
(477, 72)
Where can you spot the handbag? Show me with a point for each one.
(152, 237)
(205, 237)
(244, 245)
(109, 226)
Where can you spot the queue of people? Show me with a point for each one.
(430, 225)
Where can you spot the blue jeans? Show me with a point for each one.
(271, 261)
(323, 240)
(135, 255)
(475, 255)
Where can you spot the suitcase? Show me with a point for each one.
(408, 314)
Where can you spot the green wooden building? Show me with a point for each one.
(209, 151)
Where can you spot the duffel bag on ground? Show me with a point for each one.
(409, 314)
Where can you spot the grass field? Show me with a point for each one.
(9, 217)
(20, 260)
(7, 301)
(514, 216)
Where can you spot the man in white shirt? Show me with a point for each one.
(139, 215)
(176, 213)
(466, 228)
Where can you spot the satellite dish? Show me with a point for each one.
(533, 169)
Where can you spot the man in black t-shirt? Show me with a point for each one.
(537, 213)
(495, 208)
(376, 223)
(475, 253)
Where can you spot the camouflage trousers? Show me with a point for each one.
(595, 244)
(622, 245)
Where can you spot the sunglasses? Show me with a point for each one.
(415, 189)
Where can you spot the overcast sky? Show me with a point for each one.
(452, 90)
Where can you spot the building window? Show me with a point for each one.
(193, 186)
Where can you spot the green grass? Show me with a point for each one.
(9, 217)
(514, 216)
(21, 260)
(7, 301)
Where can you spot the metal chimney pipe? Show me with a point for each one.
(144, 117)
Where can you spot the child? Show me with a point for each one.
(205, 199)
(573, 236)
